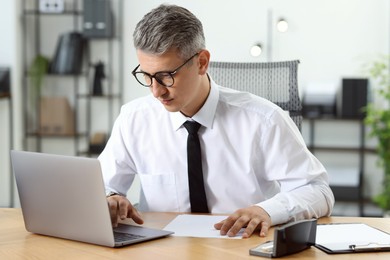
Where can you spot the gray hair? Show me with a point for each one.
(169, 27)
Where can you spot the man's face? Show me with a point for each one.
(187, 93)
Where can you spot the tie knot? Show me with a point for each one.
(192, 127)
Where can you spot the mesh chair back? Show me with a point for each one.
(275, 81)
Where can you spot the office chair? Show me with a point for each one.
(275, 81)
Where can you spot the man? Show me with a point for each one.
(255, 164)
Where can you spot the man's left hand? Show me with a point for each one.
(252, 218)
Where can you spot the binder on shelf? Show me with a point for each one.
(98, 19)
(68, 58)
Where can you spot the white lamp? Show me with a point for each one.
(256, 50)
(282, 25)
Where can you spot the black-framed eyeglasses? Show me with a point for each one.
(164, 78)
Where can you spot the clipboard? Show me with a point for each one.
(351, 238)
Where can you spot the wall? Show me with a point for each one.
(332, 39)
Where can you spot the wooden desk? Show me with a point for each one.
(17, 243)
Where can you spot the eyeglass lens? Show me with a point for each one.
(162, 78)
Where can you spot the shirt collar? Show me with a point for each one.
(205, 116)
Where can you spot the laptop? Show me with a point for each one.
(64, 196)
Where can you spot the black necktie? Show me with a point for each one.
(195, 174)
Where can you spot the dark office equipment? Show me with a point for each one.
(97, 88)
(319, 99)
(288, 239)
(68, 57)
(98, 19)
(352, 98)
(4, 82)
(315, 106)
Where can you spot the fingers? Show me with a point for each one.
(121, 208)
(264, 229)
(251, 227)
(257, 223)
(219, 225)
(233, 224)
(252, 218)
(113, 207)
(135, 215)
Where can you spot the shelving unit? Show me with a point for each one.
(348, 187)
(41, 32)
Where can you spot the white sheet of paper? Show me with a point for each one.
(198, 226)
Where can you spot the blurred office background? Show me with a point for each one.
(334, 40)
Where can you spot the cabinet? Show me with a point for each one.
(64, 113)
(346, 178)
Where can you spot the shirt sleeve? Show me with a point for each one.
(116, 163)
(304, 187)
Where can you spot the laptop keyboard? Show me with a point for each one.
(120, 237)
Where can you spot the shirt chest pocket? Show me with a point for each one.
(159, 192)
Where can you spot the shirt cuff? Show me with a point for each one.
(276, 210)
(110, 192)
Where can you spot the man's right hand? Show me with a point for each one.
(121, 208)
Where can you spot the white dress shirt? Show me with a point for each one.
(252, 154)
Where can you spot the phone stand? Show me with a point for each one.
(288, 239)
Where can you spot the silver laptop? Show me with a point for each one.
(63, 196)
